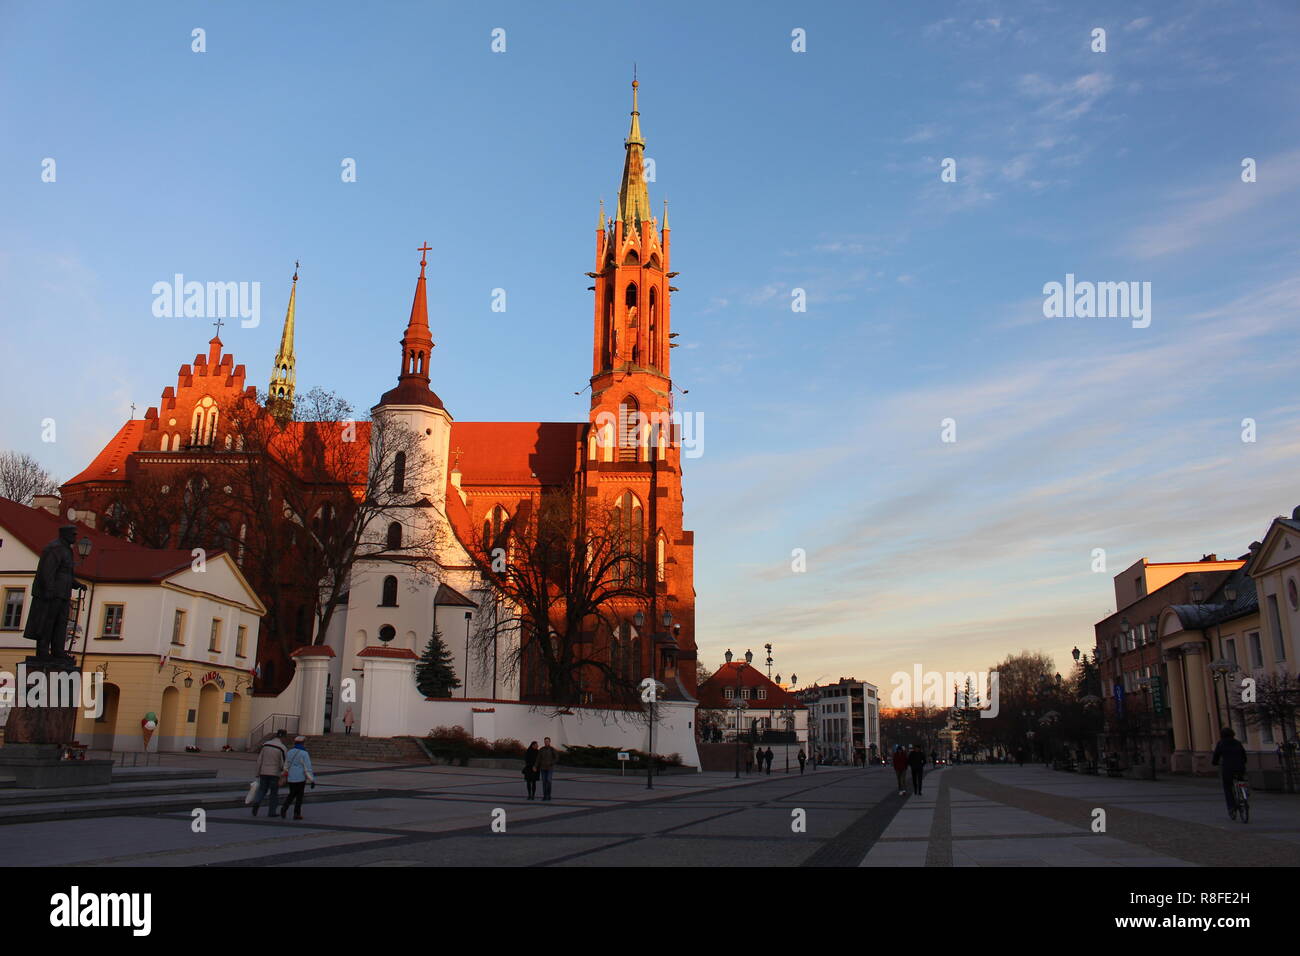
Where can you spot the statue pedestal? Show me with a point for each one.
(35, 739)
(34, 766)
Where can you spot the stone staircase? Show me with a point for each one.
(330, 747)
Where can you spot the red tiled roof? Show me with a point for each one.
(397, 653)
(511, 453)
(110, 464)
(110, 559)
(312, 650)
(712, 693)
(458, 515)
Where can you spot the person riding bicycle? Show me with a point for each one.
(1230, 758)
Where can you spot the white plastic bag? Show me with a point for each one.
(252, 792)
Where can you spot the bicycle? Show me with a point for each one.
(1241, 790)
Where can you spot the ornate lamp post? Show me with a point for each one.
(740, 706)
(787, 718)
(83, 549)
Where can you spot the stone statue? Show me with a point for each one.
(47, 621)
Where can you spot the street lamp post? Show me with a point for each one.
(787, 718)
(83, 549)
(468, 615)
(740, 710)
(1145, 683)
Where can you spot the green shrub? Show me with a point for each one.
(455, 743)
(507, 747)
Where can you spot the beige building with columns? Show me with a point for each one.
(1243, 633)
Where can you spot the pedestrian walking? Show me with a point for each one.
(547, 758)
(767, 760)
(934, 757)
(916, 760)
(270, 763)
(297, 765)
(749, 758)
(530, 770)
(1230, 757)
(803, 759)
(900, 767)
(348, 720)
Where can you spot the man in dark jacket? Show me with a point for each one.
(547, 758)
(900, 767)
(1230, 758)
(916, 760)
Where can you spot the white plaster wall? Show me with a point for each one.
(674, 732)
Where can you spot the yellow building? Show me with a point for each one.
(172, 634)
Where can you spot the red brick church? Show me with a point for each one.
(625, 457)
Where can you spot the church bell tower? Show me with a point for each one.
(632, 338)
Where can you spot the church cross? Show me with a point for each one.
(422, 250)
(133, 409)
(218, 324)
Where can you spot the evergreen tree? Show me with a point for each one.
(434, 675)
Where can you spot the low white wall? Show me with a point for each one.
(494, 720)
(674, 730)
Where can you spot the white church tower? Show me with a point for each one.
(395, 595)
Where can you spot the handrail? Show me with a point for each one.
(289, 722)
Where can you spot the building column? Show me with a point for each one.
(1177, 703)
(388, 678)
(1199, 703)
(313, 665)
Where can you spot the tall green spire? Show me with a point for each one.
(284, 372)
(633, 195)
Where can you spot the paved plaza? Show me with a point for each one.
(415, 815)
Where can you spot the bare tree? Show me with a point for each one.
(165, 512)
(570, 578)
(320, 493)
(1276, 705)
(22, 478)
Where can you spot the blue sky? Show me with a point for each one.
(815, 170)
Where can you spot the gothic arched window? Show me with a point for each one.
(629, 429)
(628, 531)
(394, 536)
(655, 358)
(399, 472)
(389, 598)
(494, 523)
